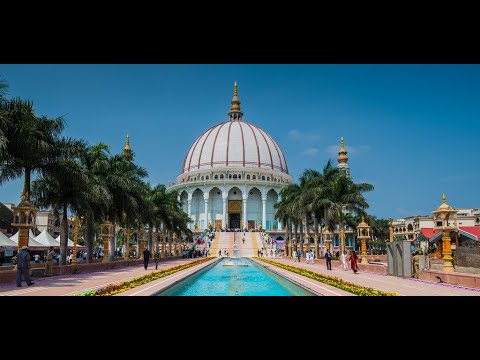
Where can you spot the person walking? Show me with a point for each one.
(156, 256)
(343, 259)
(49, 262)
(146, 257)
(299, 254)
(23, 267)
(353, 261)
(328, 258)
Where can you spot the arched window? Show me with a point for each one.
(254, 177)
(216, 177)
(230, 176)
(240, 176)
(207, 177)
(221, 176)
(201, 178)
(263, 177)
(235, 176)
(248, 178)
(268, 178)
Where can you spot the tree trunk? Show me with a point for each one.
(90, 235)
(26, 184)
(64, 237)
(156, 240)
(150, 235)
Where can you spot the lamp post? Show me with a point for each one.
(442, 220)
(24, 219)
(363, 234)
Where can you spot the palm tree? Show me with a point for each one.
(61, 188)
(4, 116)
(34, 144)
(95, 200)
(124, 181)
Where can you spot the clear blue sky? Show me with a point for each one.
(411, 130)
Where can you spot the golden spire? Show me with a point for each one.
(363, 219)
(235, 113)
(127, 151)
(342, 154)
(127, 144)
(444, 199)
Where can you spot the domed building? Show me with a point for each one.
(232, 176)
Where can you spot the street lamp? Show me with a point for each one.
(363, 234)
(442, 221)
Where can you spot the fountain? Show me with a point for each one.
(235, 260)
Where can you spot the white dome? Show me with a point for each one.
(235, 144)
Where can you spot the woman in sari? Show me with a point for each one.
(353, 262)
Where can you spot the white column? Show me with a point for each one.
(205, 197)
(224, 217)
(189, 202)
(264, 213)
(279, 221)
(244, 198)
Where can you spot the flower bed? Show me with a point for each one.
(113, 289)
(332, 280)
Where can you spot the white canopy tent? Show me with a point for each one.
(46, 239)
(69, 242)
(5, 241)
(32, 243)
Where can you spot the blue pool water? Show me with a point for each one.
(226, 278)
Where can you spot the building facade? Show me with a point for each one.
(410, 227)
(232, 176)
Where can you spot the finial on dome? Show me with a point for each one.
(235, 113)
(444, 199)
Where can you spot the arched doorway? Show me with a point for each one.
(234, 208)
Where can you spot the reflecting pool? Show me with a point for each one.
(235, 277)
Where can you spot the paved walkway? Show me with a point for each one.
(402, 286)
(71, 284)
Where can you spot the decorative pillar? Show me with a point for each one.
(24, 218)
(327, 235)
(245, 222)
(224, 217)
(174, 243)
(76, 225)
(126, 256)
(280, 225)
(107, 234)
(205, 198)
(363, 234)
(390, 227)
(445, 214)
(315, 238)
(264, 213)
(189, 202)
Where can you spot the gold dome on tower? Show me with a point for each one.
(342, 154)
(127, 151)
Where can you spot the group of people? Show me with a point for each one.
(345, 259)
